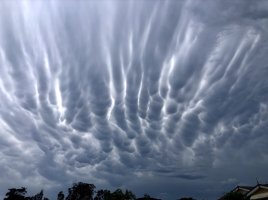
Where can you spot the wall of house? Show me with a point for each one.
(261, 193)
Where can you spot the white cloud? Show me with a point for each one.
(143, 90)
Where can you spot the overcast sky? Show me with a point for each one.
(168, 98)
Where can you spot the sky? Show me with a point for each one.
(168, 98)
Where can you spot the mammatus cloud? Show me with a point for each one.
(170, 95)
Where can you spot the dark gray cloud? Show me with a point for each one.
(166, 94)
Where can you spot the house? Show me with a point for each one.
(259, 192)
(242, 189)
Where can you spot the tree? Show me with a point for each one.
(118, 195)
(81, 191)
(99, 195)
(60, 196)
(107, 195)
(233, 196)
(38, 196)
(16, 194)
(146, 196)
(129, 195)
(103, 195)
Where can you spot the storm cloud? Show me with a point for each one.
(164, 97)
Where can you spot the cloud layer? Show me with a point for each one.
(170, 95)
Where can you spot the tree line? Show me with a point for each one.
(79, 191)
(87, 191)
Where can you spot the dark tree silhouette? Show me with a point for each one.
(103, 195)
(38, 196)
(186, 198)
(16, 194)
(107, 194)
(129, 195)
(19, 194)
(233, 196)
(60, 196)
(81, 191)
(99, 195)
(146, 197)
(118, 195)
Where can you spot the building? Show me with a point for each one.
(258, 192)
(242, 189)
